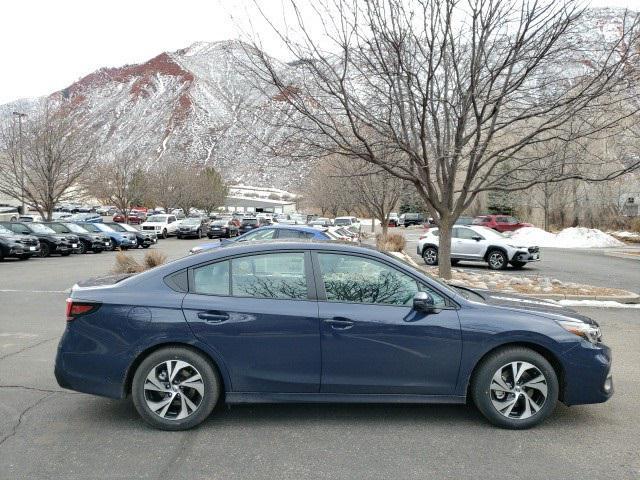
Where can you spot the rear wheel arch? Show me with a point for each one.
(545, 352)
(222, 373)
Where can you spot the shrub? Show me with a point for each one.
(127, 264)
(391, 242)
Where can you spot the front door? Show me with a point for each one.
(464, 243)
(255, 312)
(372, 340)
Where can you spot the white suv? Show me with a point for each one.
(480, 244)
(163, 225)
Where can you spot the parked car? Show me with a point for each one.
(394, 220)
(144, 238)
(30, 218)
(223, 228)
(269, 232)
(247, 224)
(408, 219)
(193, 227)
(106, 210)
(163, 225)
(478, 244)
(122, 240)
(59, 216)
(16, 245)
(50, 241)
(86, 218)
(95, 242)
(464, 221)
(321, 222)
(501, 223)
(343, 234)
(9, 214)
(352, 223)
(321, 322)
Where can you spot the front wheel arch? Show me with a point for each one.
(545, 352)
(225, 382)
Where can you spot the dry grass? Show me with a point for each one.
(391, 242)
(127, 264)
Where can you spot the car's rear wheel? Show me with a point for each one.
(515, 388)
(430, 256)
(517, 264)
(454, 261)
(497, 260)
(175, 388)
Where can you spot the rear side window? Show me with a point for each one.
(212, 279)
(273, 275)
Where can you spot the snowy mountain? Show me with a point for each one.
(198, 105)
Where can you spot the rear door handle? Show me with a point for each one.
(213, 317)
(339, 323)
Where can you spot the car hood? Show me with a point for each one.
(534, 306)
(153, 224)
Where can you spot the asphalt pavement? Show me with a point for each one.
(49, 433)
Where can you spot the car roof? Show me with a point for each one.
(300, 228)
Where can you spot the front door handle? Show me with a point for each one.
(339, 323)
(213, 317)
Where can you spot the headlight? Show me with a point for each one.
(589, 332)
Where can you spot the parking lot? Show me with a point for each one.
(46, 432)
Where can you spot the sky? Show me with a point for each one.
(49, 44)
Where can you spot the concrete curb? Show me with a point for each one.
(630, 298)
(619, 254)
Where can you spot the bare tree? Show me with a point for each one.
(210, 190)
(122, 183)
(461, 91)
(56, 154)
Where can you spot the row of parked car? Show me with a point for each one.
(500, 223)
(24, 240)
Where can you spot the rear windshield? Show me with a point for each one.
(249, 221)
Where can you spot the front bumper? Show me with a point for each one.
(587, 374)
(527, 257)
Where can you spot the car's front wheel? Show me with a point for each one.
(45, 250)
(82, 248)
(497, 260)
(175, 388)
(430, 256)
(515, 388)
(165, 234)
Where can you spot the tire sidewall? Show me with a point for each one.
(208, 373)
(482, 380)
(424, 256)
(504, 257)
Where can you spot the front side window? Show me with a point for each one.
(212, 279)
(349, 278)
(286, 233)
(272, 275)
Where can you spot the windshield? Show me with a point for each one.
(75, 228)
(342, 221)
(90, 227)
(104, 228)
(249, 221)
(58, 228)
(117, 227)
(490, 233)
(191, 221)
(39, 228)
(124, 227)
(157, 218)
(5, 231)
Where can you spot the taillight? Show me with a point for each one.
(422, 237)
(76, 309)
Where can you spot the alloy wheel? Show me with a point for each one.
(518, 390)
(430, 256)
(497, 260)
(174, 389)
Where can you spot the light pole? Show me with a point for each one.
(20, 117)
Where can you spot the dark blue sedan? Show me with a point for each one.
(321, 322)
(270, 232)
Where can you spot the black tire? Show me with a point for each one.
(97, 250)
(179, 237)
(212, 388)
(145, 245)
(517, 264)
(430, 256)
(209, 237)
(497, 260)
(21, 257)
(113, 245)
(82, 248)
(45, 250)
(1, 255)
(454, 262)
(483, 397)
(165, 234)
(66, 254)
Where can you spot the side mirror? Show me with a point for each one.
(423, 302)
(477, 238)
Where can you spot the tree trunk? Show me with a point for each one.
(444, 249)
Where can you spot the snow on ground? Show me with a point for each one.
(574, 237)
(625, 234)
(597, 303)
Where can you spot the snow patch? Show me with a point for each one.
(597, 303)
(574, 237)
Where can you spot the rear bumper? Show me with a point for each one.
(587, 375)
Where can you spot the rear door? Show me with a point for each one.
(259, 313)
(373, 342)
